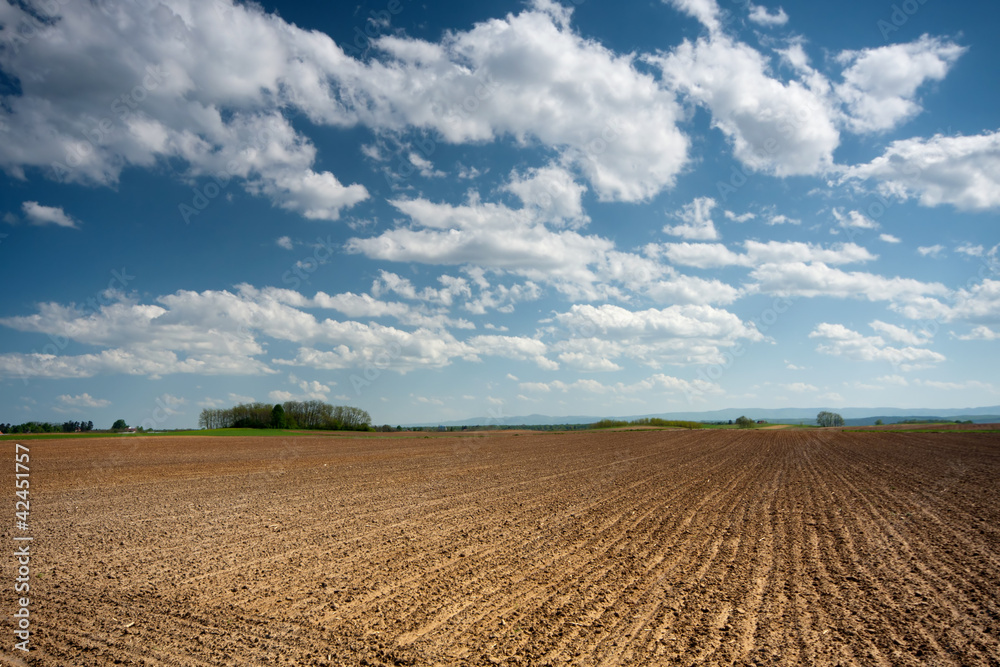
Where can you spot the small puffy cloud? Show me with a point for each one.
(981, 332)
(931, 250)
(310, 390)
(697, 221)
(284, 242)
(424, 166)
(209, 402)
(781, 219)
(40, 215)
(800, 387)
(469, 173)
(880, 84)
(971, 250)
(889, 238)
(743, 217)
(171, 401)
(853, 219)
(761, 16)
(83, 401)
(315, 196)
(426, 400)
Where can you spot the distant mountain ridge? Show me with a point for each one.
(853, 416)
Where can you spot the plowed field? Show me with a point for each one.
(779, 547)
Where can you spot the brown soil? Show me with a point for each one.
(615, 548)
(929, 427)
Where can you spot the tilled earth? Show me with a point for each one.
(812, 547)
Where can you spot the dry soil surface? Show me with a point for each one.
(725, 547)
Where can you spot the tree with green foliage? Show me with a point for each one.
(878, 422)
(278, 419)
(119, 425)
(744, 422)
(829, 419)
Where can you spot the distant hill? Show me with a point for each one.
(852, 416)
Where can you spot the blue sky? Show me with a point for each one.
(444, 210)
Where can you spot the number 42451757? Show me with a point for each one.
(23, 483)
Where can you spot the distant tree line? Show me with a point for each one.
(47, 427)
(934, 421)
(646, 421)
(290, 414)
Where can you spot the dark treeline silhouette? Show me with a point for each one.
(291, 414)
(47, 427)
